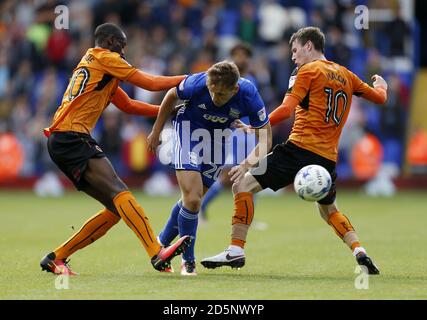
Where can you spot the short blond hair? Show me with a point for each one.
(223, 73)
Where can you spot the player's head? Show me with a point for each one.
(306, 44)
(241, 54)
(221, 81)
(111, 37)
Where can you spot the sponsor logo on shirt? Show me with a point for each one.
(215, 118)
(202, 106)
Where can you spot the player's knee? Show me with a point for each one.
(323, 213)
(192, 201)
(113, 210)
(236, 188)
(326, 210)
(244, 185)
(117, 186)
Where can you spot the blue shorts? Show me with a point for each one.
(194, 151)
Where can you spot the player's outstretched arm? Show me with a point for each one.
(166, 109)
(377, 94)
(279, 114)
(122, 101)
(154, 83)
(283, 111)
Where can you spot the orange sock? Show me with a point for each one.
(344, 229)
(355, 245)
(134, 216)
(242, 219)
(92, 230)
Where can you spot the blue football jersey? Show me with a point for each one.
(202, 113)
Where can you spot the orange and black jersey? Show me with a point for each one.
(95, 83)
(323, 91)
(90, 90)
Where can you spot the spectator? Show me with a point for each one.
(273, 22)
(397, 31)
(185, 36)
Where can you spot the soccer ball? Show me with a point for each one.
(312, 182)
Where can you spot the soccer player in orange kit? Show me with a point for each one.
(93, 85)
(320, 92)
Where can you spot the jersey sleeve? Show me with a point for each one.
(359, 87)
(362, 89)
(116, 66)
(257, 114)
(186, 87)
(299, 84)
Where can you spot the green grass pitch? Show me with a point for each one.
(297, 257)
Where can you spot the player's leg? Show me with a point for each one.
(73, 164)
(274, 171)
(93, 229)
(344, 229)
(192, 189)
(102, 177)
(234, 255)
(82, 160)
(342, 226)
(170, 230)
(214, 191)
(243, 193)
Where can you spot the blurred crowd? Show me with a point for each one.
(187, 36)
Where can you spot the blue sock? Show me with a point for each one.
(187, 222)
(211, 194)
(170, 230)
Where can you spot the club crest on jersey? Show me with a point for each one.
(234, 113)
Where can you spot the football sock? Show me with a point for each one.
(344, 229)
(134, 216)
(92, 230)
(211, 194)
(187, 223)
(358, 250)
(170, 230)
(242, 219)
(236, 249)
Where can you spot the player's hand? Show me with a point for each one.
(153, 141)
(237, 173)
(379, 81)
(238, 124)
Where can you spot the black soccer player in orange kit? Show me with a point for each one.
(320, 92)
(93, 85)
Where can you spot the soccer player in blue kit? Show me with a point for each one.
(243, 143)
(213, 101)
